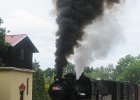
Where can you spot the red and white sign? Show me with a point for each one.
(22, 87)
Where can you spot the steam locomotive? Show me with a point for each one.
(68, 88)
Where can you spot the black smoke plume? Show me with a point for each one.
(72, 17)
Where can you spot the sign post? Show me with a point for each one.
(22, 87)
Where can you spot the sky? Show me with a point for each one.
(36, 18)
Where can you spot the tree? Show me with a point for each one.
(131, 72)
(3, 45)
(88, 69)
(47, 85)
(105, 73)
(123, 64)
(49, 72)
(39, 92)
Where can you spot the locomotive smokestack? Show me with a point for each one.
(72, 18)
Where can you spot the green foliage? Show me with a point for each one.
(48, 81)
(123, 64)
(39, 92)
(3, 45)
(69, 68)
(127, 69)
(105, 73)
(131, 71)
(88, 69)
(49, 72)
(46, 89)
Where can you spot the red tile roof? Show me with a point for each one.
(14, 39)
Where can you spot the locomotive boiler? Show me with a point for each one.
(68, 88)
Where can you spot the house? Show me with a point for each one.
(20, 52)
(16, 75)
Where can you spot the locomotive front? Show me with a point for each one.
(68, 88)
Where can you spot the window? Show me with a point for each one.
(27, 86)
(22, 54)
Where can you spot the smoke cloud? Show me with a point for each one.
(100, 38)
(72, 18)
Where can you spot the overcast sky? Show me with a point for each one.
(36, 18)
